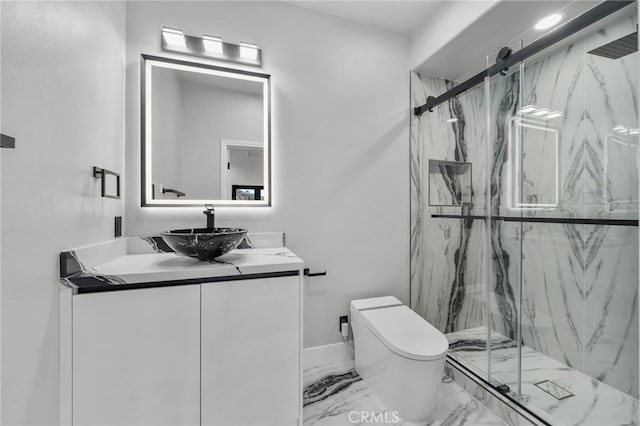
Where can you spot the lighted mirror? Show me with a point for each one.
(205, 135)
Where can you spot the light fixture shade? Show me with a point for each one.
(173, 37)
(212, 44)
(248, 50)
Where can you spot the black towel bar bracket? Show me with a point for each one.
(7, 141)
(314, 274)
(110, 182)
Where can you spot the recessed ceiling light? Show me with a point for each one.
(634, 131)
(173, 37)
(548, 21)
(452, 120)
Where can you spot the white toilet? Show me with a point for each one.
(400, 354)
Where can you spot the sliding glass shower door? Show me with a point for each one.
(504, 237)
(563, 232)
(524, 210)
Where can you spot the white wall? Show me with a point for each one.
(340, 137)
(451, 19)
(62, 98)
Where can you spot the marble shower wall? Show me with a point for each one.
(578, 284)
(446, 254)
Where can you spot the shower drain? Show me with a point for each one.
(553, 389)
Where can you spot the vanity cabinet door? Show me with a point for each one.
(250, 352)
(136, 357)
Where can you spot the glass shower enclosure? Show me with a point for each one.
(525, 225)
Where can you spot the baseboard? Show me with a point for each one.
(321, 355)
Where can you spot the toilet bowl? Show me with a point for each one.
(399, 354)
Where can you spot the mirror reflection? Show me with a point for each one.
(206, 135)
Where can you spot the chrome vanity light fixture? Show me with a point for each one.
(173, 37)
(212, 44)
(212, 47)
(248, 50)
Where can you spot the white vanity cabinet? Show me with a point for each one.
(154, 339)
(251, 352)
(136, 357)
(219, 353)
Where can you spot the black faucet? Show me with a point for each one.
(211, 216)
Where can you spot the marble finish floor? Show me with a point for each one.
(591, 403)
(334, 390)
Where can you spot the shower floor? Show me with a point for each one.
(591, 403)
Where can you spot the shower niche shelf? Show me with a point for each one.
(449, 184)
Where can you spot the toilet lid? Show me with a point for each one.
(406, 333)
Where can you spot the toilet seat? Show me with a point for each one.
(375, 302)
(404, 332)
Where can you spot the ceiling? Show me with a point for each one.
(509, 23)
(398, 16)
(463, 52)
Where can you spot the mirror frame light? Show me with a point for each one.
(147, 62)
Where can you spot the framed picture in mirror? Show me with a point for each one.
(246, 192)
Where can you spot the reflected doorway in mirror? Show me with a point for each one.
(242, 166)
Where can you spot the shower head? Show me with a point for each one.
(618, 48)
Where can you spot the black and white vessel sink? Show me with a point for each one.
(204, 243)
